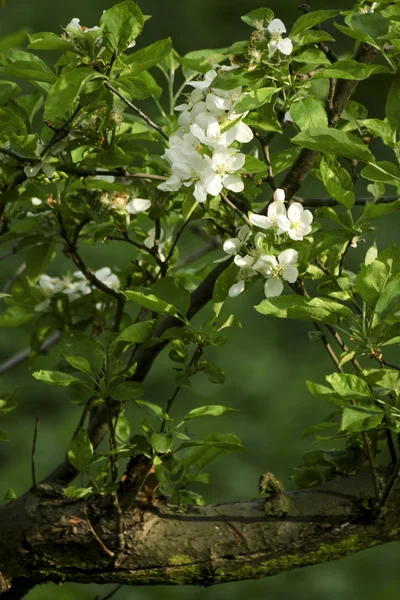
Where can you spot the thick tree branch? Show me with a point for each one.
(342, 94)
(48, 538)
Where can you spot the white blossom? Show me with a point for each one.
(274, 212)
(232, 246)
(297, 223)
(279, 195)
(225, 162)
(275, 269)
(138, 205)
(276, 28)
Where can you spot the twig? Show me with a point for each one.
(317, 202)
(391, 484)
(114, 173)
(164, 266)
(343, 256)
(111, 594)
(169, 406)
(23, 355)
(385, 363)
(96, 536)
(13, 277)
(33, 455)
(128, 240)
(76, 258)
(137, 110)
(237, 210)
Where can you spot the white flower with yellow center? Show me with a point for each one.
(276, 270)
(225, 162)
(297, 224)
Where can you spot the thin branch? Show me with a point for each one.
(76, 258)
(111, 594)
(13, 277)
(119, 172)
(33, 454)
(96, 536)
(390, 486)
(137, 110)
(237, 210)
(317, 202)
(22, 356)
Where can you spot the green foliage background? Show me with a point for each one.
(266, 362)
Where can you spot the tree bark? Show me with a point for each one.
(46, 537)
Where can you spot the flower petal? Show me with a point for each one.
(285, 46)
(290, 273)
(273, 287)
(260, 221)
(237, 289)
(233, 183)
(137, 205)
(288, 257)
(279, 195)
(276, 26)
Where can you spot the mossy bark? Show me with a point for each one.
(46, 538)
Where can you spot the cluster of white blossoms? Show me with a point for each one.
(200, 151)
(74, 286)
(248, 247)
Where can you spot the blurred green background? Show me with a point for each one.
(266, 362)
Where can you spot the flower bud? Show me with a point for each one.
(279, 195)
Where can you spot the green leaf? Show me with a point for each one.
(151, 302)
(213, 410)
(137, 333)
(76, 343)
(122, 430)
(74, 492)
(372, 279)
(153, 409)
(38, 258)
(9, 495)
(127, 390)
(222, 286)
(312, 56)
(56, 378)
(254, 99)
(337, 181)
(63, 94)
(306, 477)
(283, 160)
(15, 316)
(309, 20)
(259, 16)
(372, 25)
(334, 141)
(349, 386)
(199, 457)
(382, 171)
(253, 166)
(308, 114)
(30, 70)
(7, 90)
(305, 309)
(47, 40)
(148, 57)
(161, 442)
(361, 418)
(81, 451)
(122, 24)
(79, 363)
(134, 85)
(3, 437)
(389, 301)
(172, 291)
(213, 372)
(393, 103)
(326, 393)
(375, 211)
(352, 70)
